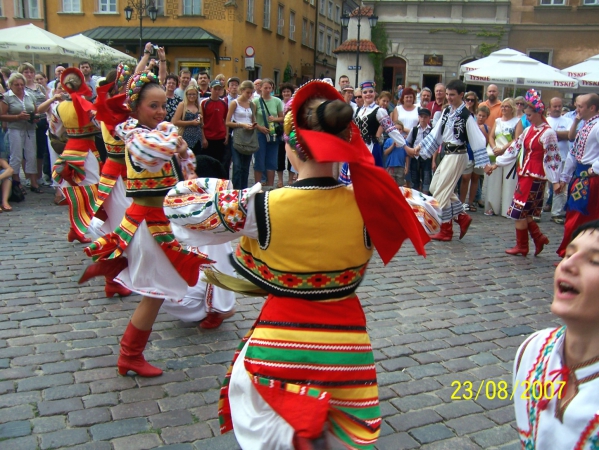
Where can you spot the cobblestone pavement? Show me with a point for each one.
(457, 315)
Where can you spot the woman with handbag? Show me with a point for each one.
(270, 118)
(241, 118)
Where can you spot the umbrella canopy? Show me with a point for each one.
(96, 49)
(521, 71)
(590, 80)
(31, 43)
(584, 68)
(489, 60)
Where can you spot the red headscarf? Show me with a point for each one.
(82, 106)
(388, 217)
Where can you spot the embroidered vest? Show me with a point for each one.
(312, 243)
(459, 125)
(143, 183)
(367, 124)
(115, 147)
(68, 116)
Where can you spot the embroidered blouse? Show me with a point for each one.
(542, 423)
(368, 118)
(538, 154)
(587, 155)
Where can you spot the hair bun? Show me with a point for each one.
(336, 117)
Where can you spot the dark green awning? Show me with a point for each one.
(163, 36)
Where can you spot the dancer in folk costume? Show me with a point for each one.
(581, 170)
(305, 372)
(369, 118)
(205, 303)
(454, 131)
(77, 169)
(111, 201)
(537, 159)
(156, 265)
(556, 371)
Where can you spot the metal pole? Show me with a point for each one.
(358, 50)
(141, 17)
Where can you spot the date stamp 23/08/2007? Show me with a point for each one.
(500, 390)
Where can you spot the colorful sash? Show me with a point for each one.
(70, 165)
(113, 245)
(579, 190)
(312, 362)
(83, 205)
(111, 171)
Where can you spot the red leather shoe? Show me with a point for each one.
(446, 233)
(131, 356)
(73, 236)
(109, 268)
(464, 221)
(521, 247)
(538, 237)
(113, 288)
(214, 320)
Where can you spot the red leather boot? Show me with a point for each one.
(131, 357)
(74, 236)
(538, 237)
(109, 268)
(215, 319)
(521, 247)
(464, 221)
(113, 288)
(445, 234)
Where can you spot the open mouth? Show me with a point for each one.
(566, 288)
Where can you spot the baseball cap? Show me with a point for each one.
(216, 83)
(424, 112)
(233, 79)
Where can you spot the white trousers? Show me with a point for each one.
(22, 146)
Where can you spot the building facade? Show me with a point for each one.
(428, 41)
(296, 36)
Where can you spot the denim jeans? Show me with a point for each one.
(266, 157)
(241, 169)
(421, 172)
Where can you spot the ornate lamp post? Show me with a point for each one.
(345, 23)
(140, 7)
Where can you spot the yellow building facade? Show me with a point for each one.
(293, 35)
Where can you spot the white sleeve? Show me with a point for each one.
(552, 161)
(569, 167)
(389, 127)
(209, 211)
(477, 142)
(149, 149)
(511, 153)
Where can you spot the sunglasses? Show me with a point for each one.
(520, 104)
(357, 96)
(470, 100)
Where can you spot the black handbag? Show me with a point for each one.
(16, 194)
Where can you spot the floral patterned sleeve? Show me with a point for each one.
(511, 153)
(552, 160)
(209, 211)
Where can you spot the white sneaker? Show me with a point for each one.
(27, 182)
(42, 182)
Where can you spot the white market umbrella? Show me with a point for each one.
(584, 68)
(31, 43)
(96, 49)
(521, 71)
(489, 60)
(589, 82)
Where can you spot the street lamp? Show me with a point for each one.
(141, 7)
(345, 23)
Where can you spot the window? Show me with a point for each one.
(337, 14)
(330, 10)
(277, 78)
(159, 5)
(541, 56)
(191, 7)
(311, 35)
(590, 2)
(305, 39)
(280, 20)
(107, 6)
(336, 42)
(250, 11)
(266, 14)
(553, 2)
(312, 2)
(28, 9)
(329, 44)
(71, 6)
(321, 6)
(292, 26)
(320, 47)
(1, 11)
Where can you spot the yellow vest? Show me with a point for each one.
(68, 116)
(115, 148)
(312, 244)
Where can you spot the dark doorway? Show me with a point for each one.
(429, 81)
(394, 73)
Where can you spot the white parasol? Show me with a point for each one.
(96, 49)
(521, 71)
(584, 68)
(34, 44)
(489, 60)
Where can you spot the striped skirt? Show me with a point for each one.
(312, 363)
(528, 198)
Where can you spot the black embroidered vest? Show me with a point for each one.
(459, 126)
